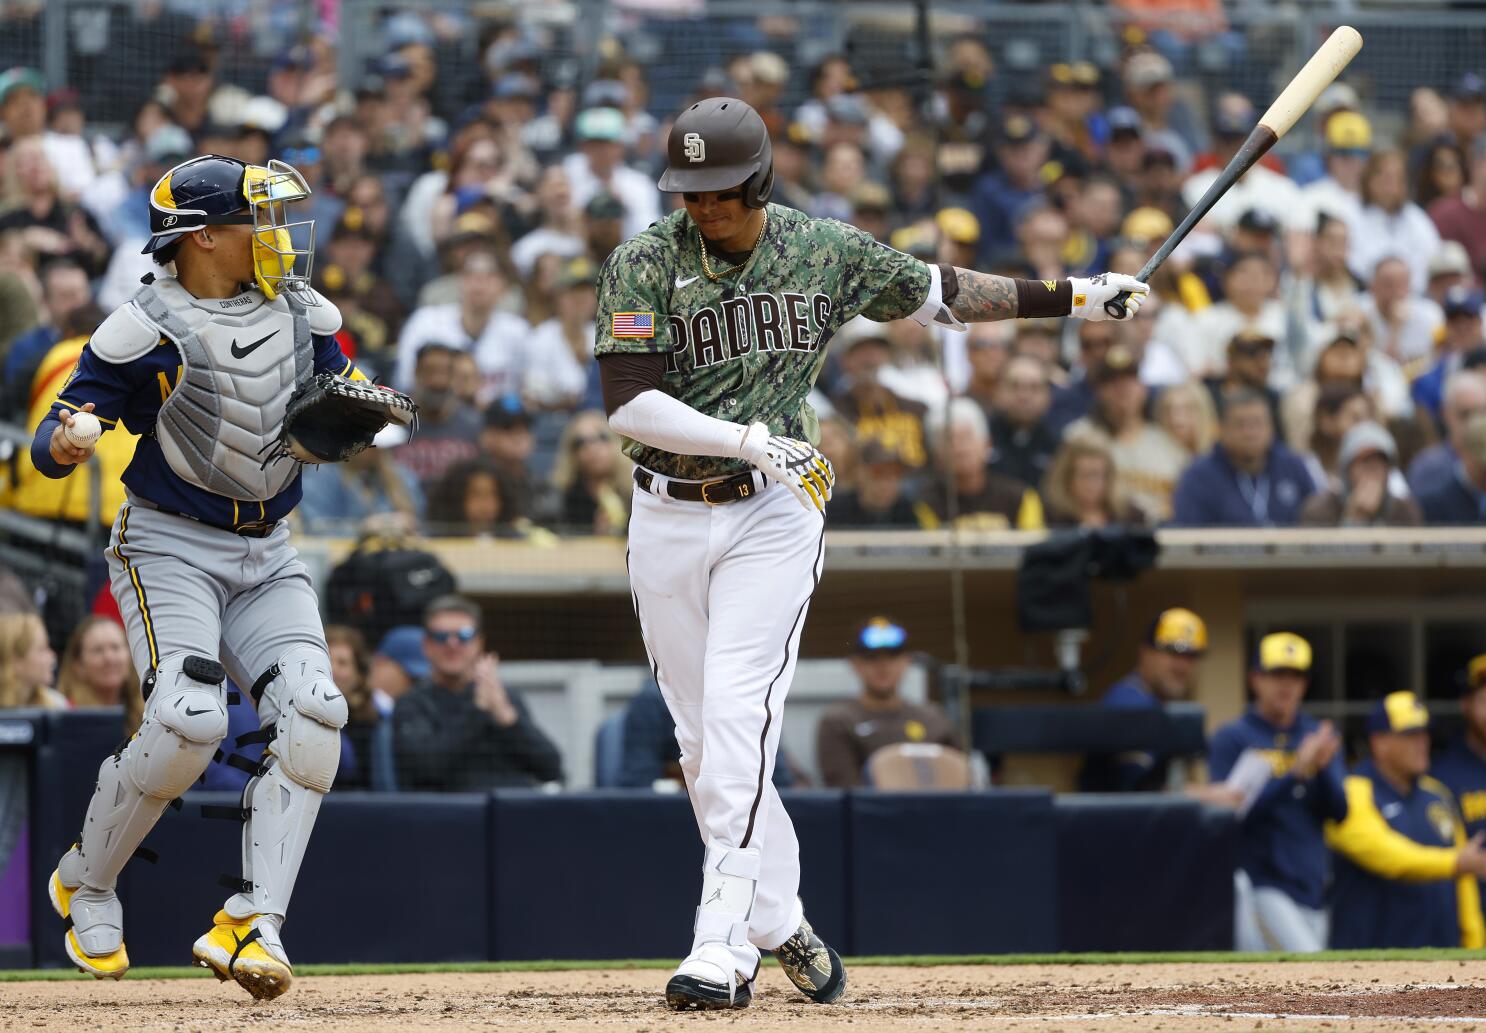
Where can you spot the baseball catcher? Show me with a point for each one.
(712, 327)
(225, 363)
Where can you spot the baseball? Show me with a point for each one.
(84, 429)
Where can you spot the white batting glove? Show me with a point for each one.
(798, 465)
(1090, 295)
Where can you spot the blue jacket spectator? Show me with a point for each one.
(1462, 498)
(1403, 865)
(1462, 767)
(1248, 479)
(998, 198)
(1279, 892)
(649, 748)
(1434, 468)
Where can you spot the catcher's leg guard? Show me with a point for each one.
(307, 711)
(185, 718)
(719, 971)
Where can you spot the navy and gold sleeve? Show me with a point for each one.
(115, 391)
(330, 359)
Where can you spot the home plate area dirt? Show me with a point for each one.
(1370, 996)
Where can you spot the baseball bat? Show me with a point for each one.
(1295, 100)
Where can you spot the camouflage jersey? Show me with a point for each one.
(747, 348)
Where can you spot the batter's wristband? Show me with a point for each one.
(1038, 298)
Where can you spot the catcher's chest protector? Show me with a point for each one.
(240, 367)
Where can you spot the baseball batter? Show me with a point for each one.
(712, 328)
(202, 363)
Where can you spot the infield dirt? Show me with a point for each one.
(1339, 996)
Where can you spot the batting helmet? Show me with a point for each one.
(716, 144)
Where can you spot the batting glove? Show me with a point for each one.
(1089, 295)
(798, 465)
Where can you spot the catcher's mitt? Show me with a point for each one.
(331, 418)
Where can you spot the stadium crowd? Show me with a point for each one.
(1310, 355)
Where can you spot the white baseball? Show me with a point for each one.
(84, 429)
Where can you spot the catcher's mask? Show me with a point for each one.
(217, 191)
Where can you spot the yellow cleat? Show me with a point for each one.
(109, 966)
(234, 950)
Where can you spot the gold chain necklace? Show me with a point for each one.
(719, 274)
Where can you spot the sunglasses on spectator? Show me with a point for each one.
(445, 637)
(591, 439)
(726, 195)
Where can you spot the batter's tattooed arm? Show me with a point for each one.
(984, 297)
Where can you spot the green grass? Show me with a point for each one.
(912, 961)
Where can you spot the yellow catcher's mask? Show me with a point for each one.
(276, 261)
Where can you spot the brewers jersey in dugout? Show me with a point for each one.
(748, 348)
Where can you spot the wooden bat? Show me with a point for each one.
(1295, 100)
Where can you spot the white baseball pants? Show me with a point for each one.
(721, 594)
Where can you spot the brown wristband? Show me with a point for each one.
(1038, 298)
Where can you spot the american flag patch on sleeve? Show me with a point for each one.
(633, 324)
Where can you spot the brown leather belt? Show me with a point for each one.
(715, 493)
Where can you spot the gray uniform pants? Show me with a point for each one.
(185, 585)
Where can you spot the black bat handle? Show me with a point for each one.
(1115, 307)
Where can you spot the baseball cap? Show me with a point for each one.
(880, 636)
(1123, 120)
(1283, 651)
(514, 87)
(870, 197)
(1178, 630)
(605, 93)
(1259, 220)
(1349, 132)
(1336, 97)
(1078, 74)
(403, 645)
(959, 225)
(188, 62)
(1233, 123)
(1366, 438)
(1118, 362)
(604, 206)
(1147, 69)
(1475, 673)
(1250, 341)
(507, 412)
(168, 145)
(1462, 301)
(1450, 259)
(875, 453)
(1146, 224)
(1469, 86)
(577, 271)
(21, 78)
(769, 67)
(605, 124)
(1398, 712)
(847, 109)
(1018, 129)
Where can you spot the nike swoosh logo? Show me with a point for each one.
(197, 713)
(332, 699)
(243, 353)
(683, 283)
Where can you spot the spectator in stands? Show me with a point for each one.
(1185, 412)
(1249, 479)
(398, 664)
(64, 290)
(878, 496)
(462, 729)
(851, 731)
(1250, 362)
(1338, 410)
(350, 666)
(1075, 397)
(1434, 468)
(998, 197)
(592, 477)
(967, 493)
(1460, 342)
(474, 498)
(1249, 304)
(1461, 498)
(507, 440)
(987, 350)
(1147, 462)
(559, 230)
(1165, 672)
(1391, 225)
(27, 664)
(52, 225)
(340, 497)
(448, 429)
(599, 167)
(1024, 445)
(1466, 114)
(1442, 174)
(874, 411)
(1367, 464)
(1403, 865)
(1331, 287)
(559, 360)
(97, 671)
(1462, 766)
(1338, 195)
(1463, 218)
(1262, 187)
(1082, 488)
(474, 324)
(1166, 121)
(1280, 884)
(1404, 323)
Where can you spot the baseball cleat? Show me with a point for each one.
(109, 964)
(245, 950)
(708, 980)
(812, 965)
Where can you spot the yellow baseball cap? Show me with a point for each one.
(1179, 631)
(1398, 712)
(1475, 673)
(1348, 131)
(1147, 224)
(959, 225)
(1284, 651)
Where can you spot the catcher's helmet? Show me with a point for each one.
(716, 144)
(216, 191)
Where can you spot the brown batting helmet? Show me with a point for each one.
(716, 144)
